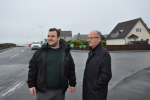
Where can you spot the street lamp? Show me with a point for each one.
(39, 37)
(42, 34)
(27, 41)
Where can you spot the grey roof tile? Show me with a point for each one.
(74, 37)
(126, 26)
(66, 33)
(84, 37)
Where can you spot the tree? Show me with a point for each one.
(103, 38)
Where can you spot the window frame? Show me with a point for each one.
(138, 30)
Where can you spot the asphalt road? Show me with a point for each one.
(14, 70)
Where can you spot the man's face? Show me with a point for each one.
(93, 42)
(52, 38)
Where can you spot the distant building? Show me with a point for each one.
(132, 30)
(66, 35)
(80, 37)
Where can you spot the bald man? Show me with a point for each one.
(97, 72)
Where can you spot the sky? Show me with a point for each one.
(20, 19)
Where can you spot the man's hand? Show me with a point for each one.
(72, 89)
(32, 90)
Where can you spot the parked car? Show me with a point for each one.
(35, 45)
(137, 43)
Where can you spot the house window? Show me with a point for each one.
(138, 30)
(147, 39)
(120, 31)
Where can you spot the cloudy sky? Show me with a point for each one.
(20, 19)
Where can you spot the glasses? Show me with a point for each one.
(92, 38)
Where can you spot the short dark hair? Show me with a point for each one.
(54, 29)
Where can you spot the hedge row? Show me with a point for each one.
(7, 45)
(81, 42)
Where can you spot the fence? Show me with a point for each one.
(117, 47)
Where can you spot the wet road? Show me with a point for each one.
(14, 69)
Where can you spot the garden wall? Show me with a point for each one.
(117, 47)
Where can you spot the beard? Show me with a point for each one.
(54, 44)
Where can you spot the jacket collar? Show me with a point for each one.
(97, 49)
(65, 46)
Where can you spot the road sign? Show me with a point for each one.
(72, 45)
(82, 46)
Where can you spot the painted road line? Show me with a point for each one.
(11, 90)
(14, 55)
(22, 51)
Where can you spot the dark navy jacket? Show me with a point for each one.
(97, 74)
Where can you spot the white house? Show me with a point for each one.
(80, 37)
(132, 30)
(66, 35)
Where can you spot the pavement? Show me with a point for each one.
(133, 87)
(135, 82)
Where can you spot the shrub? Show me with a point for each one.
(76, 42)
(85, 42)
(62, 40)
(103, 43)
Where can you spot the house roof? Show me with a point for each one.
(133, 36)
(84, 36)
(74, 37)
(65, 33)
(122, 29)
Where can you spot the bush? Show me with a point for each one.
(76, 42)
(62, 40)
(85, 42)
(103, 43)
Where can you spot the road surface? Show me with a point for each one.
(14, 70)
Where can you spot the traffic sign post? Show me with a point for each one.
(82, 46)
(72, 45)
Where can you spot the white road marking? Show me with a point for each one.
(14, 55)
(22, 51)
(11, 90)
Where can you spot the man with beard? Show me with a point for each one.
(51, 69)
(97, 72)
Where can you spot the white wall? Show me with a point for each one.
(115, 42)
(68, 38)
(144, 34)
(62, 37)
